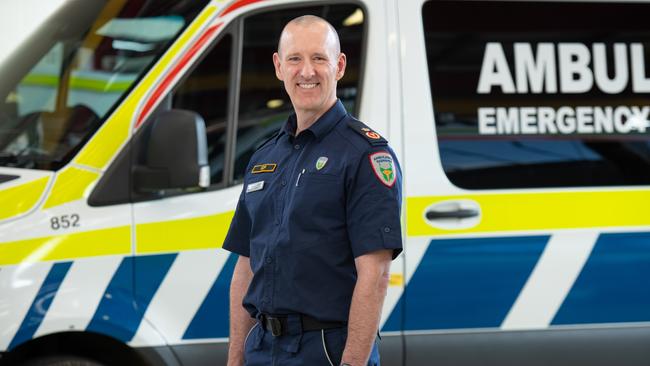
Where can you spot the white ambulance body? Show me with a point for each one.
(522, 129)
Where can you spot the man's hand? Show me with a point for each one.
(240, 320)
(373, 273)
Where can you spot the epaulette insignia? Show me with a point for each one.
(373, 137)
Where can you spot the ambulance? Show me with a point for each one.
(522, 128)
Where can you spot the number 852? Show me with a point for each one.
(64, 221)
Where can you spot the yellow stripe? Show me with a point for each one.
(108, 140)
(20, 199)
(172, 236)
(70, 185)
(396, 279)
(67, 246)
(540, 211)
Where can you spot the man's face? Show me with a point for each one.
(309, 66)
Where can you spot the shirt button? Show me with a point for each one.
(387, 229)
(284, 183)
(269, 260)
(297, 147)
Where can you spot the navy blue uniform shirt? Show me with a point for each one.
(310, 205)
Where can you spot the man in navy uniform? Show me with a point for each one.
(317, 223)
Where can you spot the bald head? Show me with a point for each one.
(308, 21)
(309, 62)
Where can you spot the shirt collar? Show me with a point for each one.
(322, 126)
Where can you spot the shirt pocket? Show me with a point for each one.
(318, 206)
(320, 177)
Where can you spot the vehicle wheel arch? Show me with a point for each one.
(98, 347)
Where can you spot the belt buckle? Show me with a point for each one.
(275, 325)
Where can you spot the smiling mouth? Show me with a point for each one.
(307, 86)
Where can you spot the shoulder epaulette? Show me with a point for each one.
(371, 136)
(266, 142)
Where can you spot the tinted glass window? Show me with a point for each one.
(523, 101)
(72, 89)
(205, 91)
(263, 103)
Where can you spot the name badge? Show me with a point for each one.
(257, 186)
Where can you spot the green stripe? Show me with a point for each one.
(100, 85)
(77, 83)
(40, 80)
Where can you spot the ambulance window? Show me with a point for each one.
(263, 103)
(532, 94)
(66, 94)
(205, 91)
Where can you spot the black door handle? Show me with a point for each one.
(457, 214)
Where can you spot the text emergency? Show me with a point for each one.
(563, 68)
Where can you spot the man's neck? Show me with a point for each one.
(306, 118)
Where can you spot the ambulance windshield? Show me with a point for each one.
(62, 95)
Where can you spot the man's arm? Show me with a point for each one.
(373, 272)
(240, 320)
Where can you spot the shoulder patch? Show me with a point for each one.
(371, 136)
(384, 167)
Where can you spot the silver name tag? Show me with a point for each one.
(257, 186)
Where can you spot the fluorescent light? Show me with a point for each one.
(132, 46)
(156, 29)
(274, 103)
(355, 18)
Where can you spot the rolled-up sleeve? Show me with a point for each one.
(374, 203)
(238, 237)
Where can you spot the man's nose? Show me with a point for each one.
(307, 70)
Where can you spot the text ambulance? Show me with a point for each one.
(522, 127)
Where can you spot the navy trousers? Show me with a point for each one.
(311, 348)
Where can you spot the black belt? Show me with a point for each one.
(278, 324)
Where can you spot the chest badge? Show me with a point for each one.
(320, 163)
(264, 168)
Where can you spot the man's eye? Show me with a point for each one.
(294, 59)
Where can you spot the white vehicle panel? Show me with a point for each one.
(181, 293)
(79, 295)
(18, 288)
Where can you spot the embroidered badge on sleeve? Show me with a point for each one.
(383, 166)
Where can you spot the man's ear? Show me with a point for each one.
(276, 63)
(341, 63)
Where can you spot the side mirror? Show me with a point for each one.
(175, 154)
